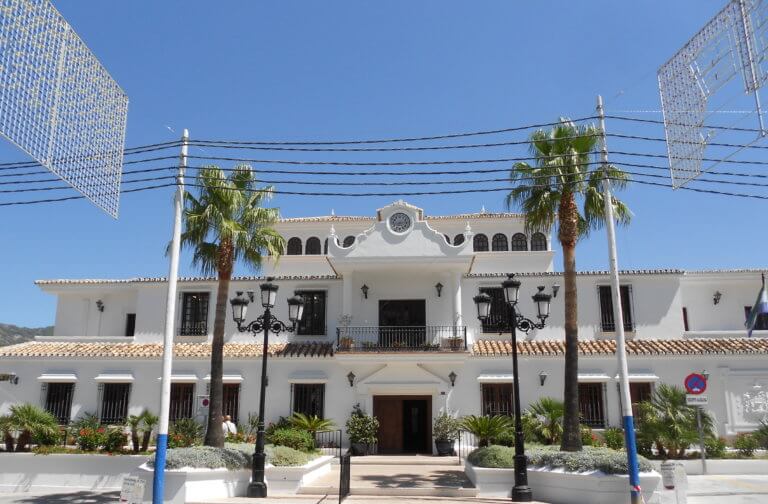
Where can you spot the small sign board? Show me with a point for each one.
(668, 474)
(695, 383)
(696, 400)
(132, 491)
(203, 402)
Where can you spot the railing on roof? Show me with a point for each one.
(401, 339)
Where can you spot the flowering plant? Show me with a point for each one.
(90, 438)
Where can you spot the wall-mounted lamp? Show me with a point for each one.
(705, 374)
(542, 377)
(364, 288)
(716, 297)
(439, 288)
(100, 305)
(351, 378)
(555, 288)
(756, 385)
(13, 378)
(452, 376)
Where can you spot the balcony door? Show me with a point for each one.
(402, 323)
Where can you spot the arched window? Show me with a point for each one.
(519, 242)
(480, 243)
(447, 239)
(325, 247)
(313, 246)
(349, 241)
(294, 246)
(538, 241)
(458, 239)
(499, 242)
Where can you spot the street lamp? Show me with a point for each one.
(266, 323)
(521, 492)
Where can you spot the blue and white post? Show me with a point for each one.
(158, 480)
(618, 316)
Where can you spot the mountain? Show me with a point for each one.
(11, 334)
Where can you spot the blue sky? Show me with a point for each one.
(350, 69)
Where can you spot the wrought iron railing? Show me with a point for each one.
(344, 476)
(193, 329)
(401, 338)
(329, 442)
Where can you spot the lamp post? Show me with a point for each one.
(266, 323)
(521, 492)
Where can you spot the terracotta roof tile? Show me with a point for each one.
(360, 218)
(709, 346)
(155, 350)
(94, 281)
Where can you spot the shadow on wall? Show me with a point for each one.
(83, 497)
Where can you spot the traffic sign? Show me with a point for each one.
(695, 383)
(696, 400)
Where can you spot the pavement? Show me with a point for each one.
(747, 489)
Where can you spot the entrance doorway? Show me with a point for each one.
(402, 323)
(404, 423)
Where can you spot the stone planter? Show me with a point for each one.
(288, 480)
(444, 448)
(557, 486)
(721, 466)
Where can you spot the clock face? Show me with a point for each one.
(399, 222)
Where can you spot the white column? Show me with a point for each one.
(347, 295)
(457, 315)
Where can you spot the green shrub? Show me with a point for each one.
(297, 439)
(90, 438)
(362, 428)
(31, 421)
(588, 437)
(493, 456)
(614, 438)
(252, 426)
(746, 444)
(114, 440)
(49, 437)
(184, 433)
(311, 423)
(761, 435)
(487, 428)
(506, 438)
(714, 447)
(446, 427)
(287, 456)
(206, 457)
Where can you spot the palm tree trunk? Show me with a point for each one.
(568, 234)
(214, 435)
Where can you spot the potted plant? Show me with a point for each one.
(455, 343)
(445, 431)
(362, 430)
(345, 343)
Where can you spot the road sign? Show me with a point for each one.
(695, 383)
(203, 402)
(696, 400)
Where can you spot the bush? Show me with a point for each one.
(614, 438)
(49, 437)
(114, 440)
(184, 433)
(590, 459)
(31, 421)
(90, 438)
(543, 421)
(253, 425)
(746, 444)
(761, 435)
(297, 439)
(588, 437)
(446, 427)
(311, 423)
(206, 457)
(362, 428)
(714, 447)
(506, 438)
(287, 456)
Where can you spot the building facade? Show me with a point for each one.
(390, 324)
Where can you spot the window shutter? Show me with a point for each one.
(606, 308)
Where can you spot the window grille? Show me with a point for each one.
(182, 401)
(538, 242)
(458, 239)
(591, 407)
(606, 308)
(312, 322)
(498, 319)
(639, 392)
(114, 402)
(194, 314)
(499, 243)
(130, 324)
(58, 400)
(480, 243)
(349, 241)
(313, 246)
(308, 398)
(761, 324)
(294, 246)
(231, 404)
(497, 399)
(519, 242)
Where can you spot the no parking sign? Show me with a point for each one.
(695, 383)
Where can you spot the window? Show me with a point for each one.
(606, 308)
(458, 239)
(761, 324)
(638, 392)
(497, 320)
(231, 405)
(294, 246)
(182, 399)
(194, 314)
(312, 323)
(685, 319)
(447, 239)
(499, 243)
(313, 246)
(538, 242)
(497, 399)
(519, 242)
(325, 247)
(480, 243)
(58, 400)
(591, 406)
(349, 241)
(308, 398)
(114, 402)
(130, 324)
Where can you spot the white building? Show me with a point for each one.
(405, 283)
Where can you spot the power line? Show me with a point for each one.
(68, 198)
(703, 126)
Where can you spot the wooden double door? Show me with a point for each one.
(405, 423)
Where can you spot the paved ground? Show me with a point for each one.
(84, 497)
(752, 489)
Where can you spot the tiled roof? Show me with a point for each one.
(581, 273)
(155, 350)
(359, 218)
(709, 346)
(95, 281)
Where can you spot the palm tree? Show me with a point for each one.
(30, 421)
(311, 423)
(486, 428)
(544, 420)
(226, 223)
(547, 193)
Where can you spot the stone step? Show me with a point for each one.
(409, 460)
(393, 492)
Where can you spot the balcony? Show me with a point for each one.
(401, 339)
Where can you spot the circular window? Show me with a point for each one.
(399, 222)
